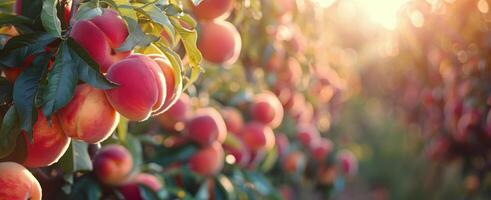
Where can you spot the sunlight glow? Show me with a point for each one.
(383, 12)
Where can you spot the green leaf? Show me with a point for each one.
(157, 16)
(20, 47)
(136, 37)
(88, 10)
(88, 69)
(76, 158)
(8, 132)
(86, 188)
(134, 147)
(32, 9)
(225, 185)
(50, 19)
(26, 88)
(62, 81)
(122, 129)
(167, 156)
(9, 19)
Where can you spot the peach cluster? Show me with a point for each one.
(219, 41)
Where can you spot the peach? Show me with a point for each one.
(307, 134)
(131, 190)
(207, 161)
(213, 9)
(257, 136)
(266, 108)
(292, 73)
(100, 36)
(16, 182)
(206, 127)
(219, 42)
(141, 87)
(79, 120)
(176, 115)
(321, 149)
(294, 162)
(170, 82)
(48, 145)
(233, 119)
(347, 162)
(235, 147)
(113, 164)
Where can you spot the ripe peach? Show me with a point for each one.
(233, 119)
(235, 147)
(170, 82)
(206, 127)
(131, 190)
(294, 162)
(176, 115)
(100, 36)
(79, 120)
(213, 9)
(347, 162)
(48, 145)
(321, 149)
(257, 136)
(207, 161)
(219, 42)
(307, 134)
(113, 164)
(141, 89)
(266, 108)
(16, 182)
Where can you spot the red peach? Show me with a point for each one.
(307, 134)
(16, 182)
(113, 164)
(294, 162)
(131, 190)
(100, 36)
(79, 120)
(176, 115)
(141, 87)
(208, 161)
(266, 108)
(170, 82)
(206, 127)
(235, 147)
(219, 42)
(48, 145)
(213, 9)
(233, 119)
(257, 136)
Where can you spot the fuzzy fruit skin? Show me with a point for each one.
(16, 182)
(257, 136)
(49, 143)
(176, 115)
(100, 36)
(88, 116)
(233, 119)
(294, 162)
(206, 127)
(208, 161)
(170, 82)
(219, 42)
(321, 149)
(213, 9)
(266, 108)
(113, 164)
(307, 134)
(141, 87)
(131, 190)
